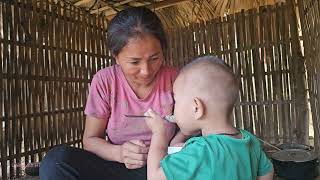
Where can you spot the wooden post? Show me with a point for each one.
(300, 88)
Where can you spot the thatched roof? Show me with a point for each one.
(173, 12)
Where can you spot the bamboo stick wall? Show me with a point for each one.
(310, 20)
(262, 47)
(48, 54)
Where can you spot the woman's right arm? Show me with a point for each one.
(132, 153)
(95, 142)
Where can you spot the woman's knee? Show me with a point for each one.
(55, 155)
(58, 154)
(51, 166)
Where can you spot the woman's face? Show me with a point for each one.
(141, 59)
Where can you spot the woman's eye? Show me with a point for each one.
(134, 62)
(155, 58)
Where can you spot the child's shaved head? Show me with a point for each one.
(211, 80)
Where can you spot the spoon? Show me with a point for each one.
(169, 118)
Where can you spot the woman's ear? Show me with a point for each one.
(198, 108)
(116, 58)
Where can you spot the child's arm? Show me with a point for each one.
(268, 176)
(158, 147)
(157, 151)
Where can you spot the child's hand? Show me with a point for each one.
(155, 122)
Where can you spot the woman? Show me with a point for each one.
(137, 82)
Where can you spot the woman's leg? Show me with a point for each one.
(63, 162)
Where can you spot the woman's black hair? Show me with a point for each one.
(131, 23)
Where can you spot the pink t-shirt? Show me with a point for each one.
(111, 97)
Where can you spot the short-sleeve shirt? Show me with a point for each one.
(218, 157)
(111, 98)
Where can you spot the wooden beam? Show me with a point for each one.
(108, 7)
(156, 6)
(82, 2)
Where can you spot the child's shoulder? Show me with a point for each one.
(196, 142)
(253, 139)
(247, 134)
(248, 137)
(201, 141)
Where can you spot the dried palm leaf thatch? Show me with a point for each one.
(173, 12)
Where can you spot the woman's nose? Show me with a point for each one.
(145, 69)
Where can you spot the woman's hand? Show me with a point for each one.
(134, 154)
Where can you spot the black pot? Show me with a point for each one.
(295, 146)
(295, 164)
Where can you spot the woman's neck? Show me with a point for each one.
(142, 91)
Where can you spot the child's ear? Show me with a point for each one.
(198, 108)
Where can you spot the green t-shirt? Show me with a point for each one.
(218, 157)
